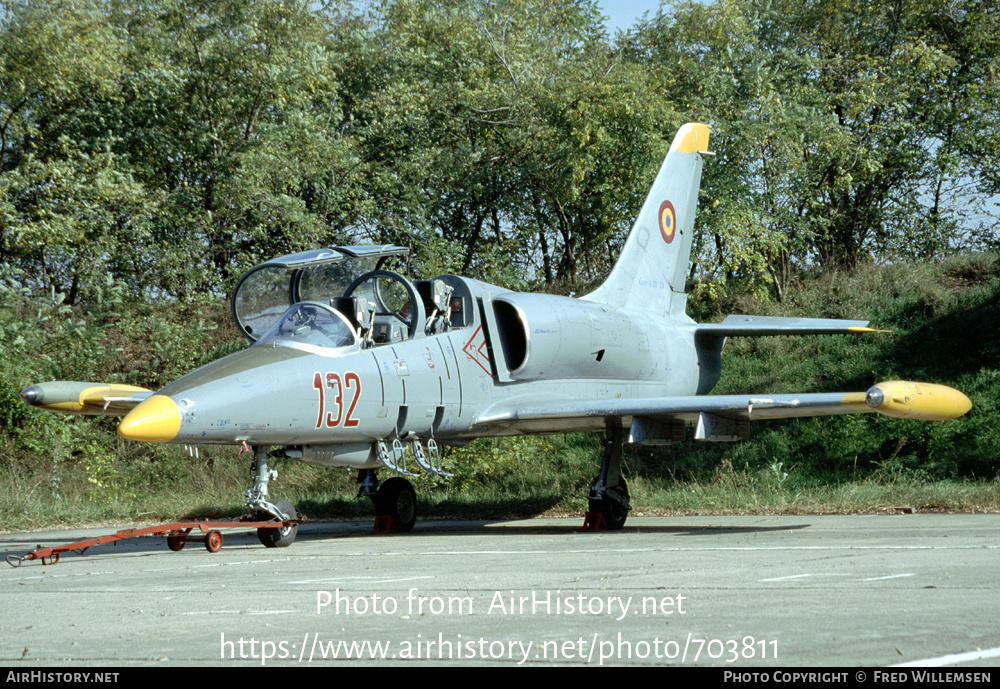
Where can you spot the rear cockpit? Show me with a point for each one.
(341, 296)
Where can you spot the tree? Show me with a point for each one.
(228, 106)
(504, 133)
(837, 124)
(169, 145)
(66, 206)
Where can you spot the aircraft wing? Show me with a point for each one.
(901, 399)
(90, 399)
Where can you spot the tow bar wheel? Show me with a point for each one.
(213, 541)
(176, 541)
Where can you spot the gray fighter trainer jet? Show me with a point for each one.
(353, 365)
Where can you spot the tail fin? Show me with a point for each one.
(652, 268)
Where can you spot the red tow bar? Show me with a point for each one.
(178, 534)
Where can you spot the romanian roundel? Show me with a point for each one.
(668, 221)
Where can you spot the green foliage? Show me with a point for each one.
(942, 324)
(526, 463)
(51, 456)
(843, 131)
(507, 129)
(173, 145)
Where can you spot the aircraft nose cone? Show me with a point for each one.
(156, 420)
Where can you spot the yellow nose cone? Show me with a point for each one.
(155, 420)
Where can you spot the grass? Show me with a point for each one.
(212, 487)
(745, 492)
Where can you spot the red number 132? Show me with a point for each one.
(350, 381)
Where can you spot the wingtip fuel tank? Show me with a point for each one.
(94, 399)
(910, 400)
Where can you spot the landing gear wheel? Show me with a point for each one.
(397, 499)
(281, 537)
(614, 512)
(175, 541)
(213, 541)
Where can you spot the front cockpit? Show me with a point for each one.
(345, 296)
(313, 325)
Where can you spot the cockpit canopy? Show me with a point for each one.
(312, 324)
(267, 291)
(339, 296)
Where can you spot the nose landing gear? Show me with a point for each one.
(263, 509)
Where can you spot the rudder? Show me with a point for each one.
(651, 271)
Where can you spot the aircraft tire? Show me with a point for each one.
(397, 499)
(613, 513)
(284, 536)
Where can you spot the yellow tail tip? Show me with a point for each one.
(692, 138)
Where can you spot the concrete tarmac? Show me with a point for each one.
(743, 593)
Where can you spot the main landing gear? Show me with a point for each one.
(263, 509)
(608, 499)
(395, 501)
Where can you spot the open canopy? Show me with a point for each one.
(267, 291)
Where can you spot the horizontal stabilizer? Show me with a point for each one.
(761, 326)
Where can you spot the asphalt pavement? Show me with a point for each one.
(732, 592)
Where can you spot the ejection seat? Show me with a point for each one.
(359, 313)
(435, 294)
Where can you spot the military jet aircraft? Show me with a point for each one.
(353, 365)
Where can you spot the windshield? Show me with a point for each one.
(311, 324)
